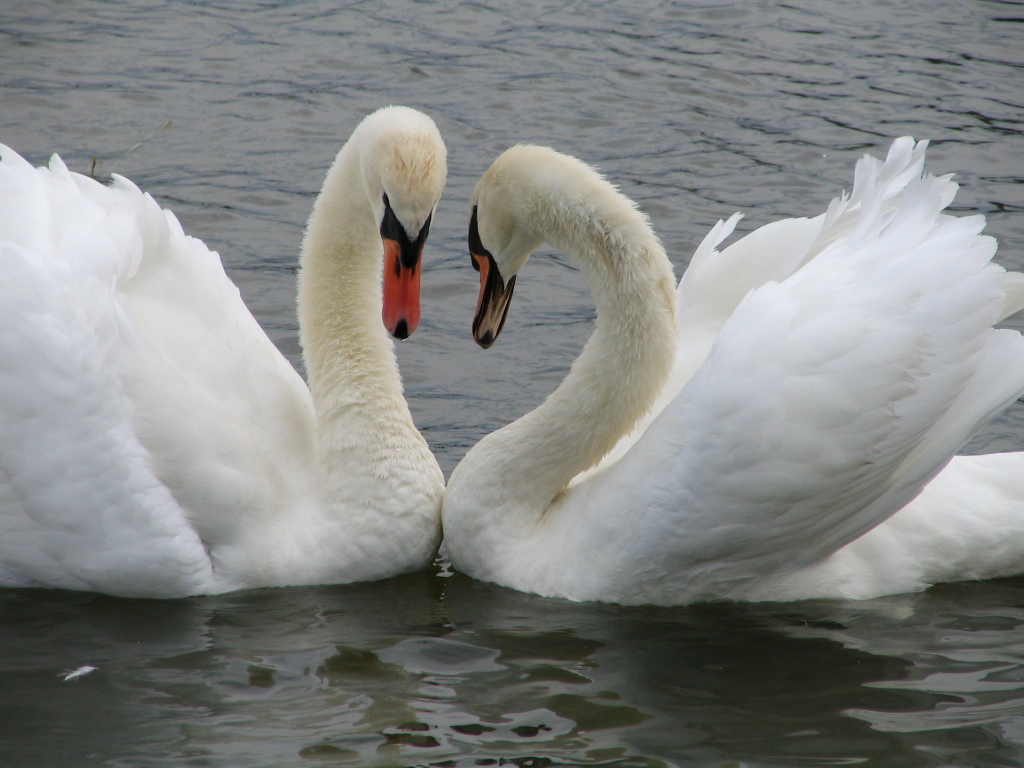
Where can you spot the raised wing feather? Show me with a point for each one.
(715, 282)
(139, 400)
(824, 405)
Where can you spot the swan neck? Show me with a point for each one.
(349, 358)
(623, 366)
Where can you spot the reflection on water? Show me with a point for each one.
(229, 112)
(450, 672)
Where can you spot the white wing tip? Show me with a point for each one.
(706, 250)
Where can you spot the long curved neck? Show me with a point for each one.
(362, 416)
(623, 366)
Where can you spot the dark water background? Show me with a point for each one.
(230, 112)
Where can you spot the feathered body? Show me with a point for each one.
(154, 442)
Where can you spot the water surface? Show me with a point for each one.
(230, 112)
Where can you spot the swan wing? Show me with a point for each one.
(139, 401)
(716, 281)
(826, 402)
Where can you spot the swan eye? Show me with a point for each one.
(387, 203)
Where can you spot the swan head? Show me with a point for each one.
(404, 167)
(526, 187)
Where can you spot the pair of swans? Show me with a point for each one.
(759, 432)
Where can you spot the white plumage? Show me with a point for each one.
(825, 371)
(154, 442)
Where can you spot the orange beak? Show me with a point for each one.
(401, 313)
(495, 295)
(402, 259)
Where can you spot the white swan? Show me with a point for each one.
(825, 371)
(154, 442)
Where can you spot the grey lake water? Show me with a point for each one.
(229, 113)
